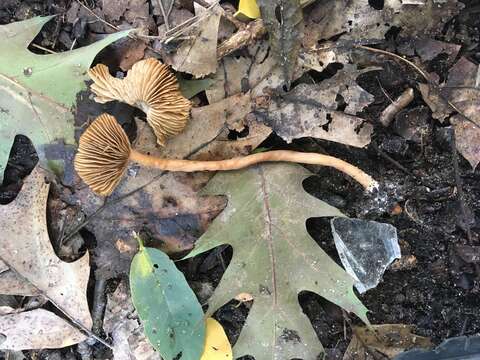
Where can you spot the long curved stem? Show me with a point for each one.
(241, 162)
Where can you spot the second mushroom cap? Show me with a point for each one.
(151, 87)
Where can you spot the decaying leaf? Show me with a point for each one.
(284, 21)
(198, 56)
(37, 93)
(27, 251)
(217, 346)
(171, 314)
(274, 259)
(310, 110)
(358, 20)
(122, 325)
(389, 340)
(168, 209)
(462, 90)
(37, 329)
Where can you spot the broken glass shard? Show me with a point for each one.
(366, 248)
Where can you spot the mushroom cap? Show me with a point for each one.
(102, 156)
(151, 87)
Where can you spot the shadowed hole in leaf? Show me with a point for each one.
(326, 126)
(326, 319)
(278, 13)
(341, 104)
(392, 33)
(232, 317)
(21, 161)
(319, 230)
(329, 71)
(235, 135)
(377, 4)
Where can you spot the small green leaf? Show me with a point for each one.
(170, 312)
(190, 88)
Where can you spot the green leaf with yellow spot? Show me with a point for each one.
(170, 312)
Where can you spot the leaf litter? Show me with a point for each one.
(33, 265)
(245, 95)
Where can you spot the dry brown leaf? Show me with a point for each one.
(122, 325)
(198, 56)
(358, 20)
(428, 49)
(168, 210)
(431, 96)
(389, 340)
(26, 249)
(462, 90)
(237, 74)
(37, 329)
(114, 9)
(129, 52)
(310, 111)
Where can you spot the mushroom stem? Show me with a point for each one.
(242, 162)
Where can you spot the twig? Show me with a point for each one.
(99, 302)
(74, 321)
(395, 107)
(43, 48)
(244, 37)
(165, 14)
(180, 29)
(424, 75)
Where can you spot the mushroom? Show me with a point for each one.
(149, 86)
(104, 152)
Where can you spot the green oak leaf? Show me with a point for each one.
(170, 312)
(274, 258)
(38, 92)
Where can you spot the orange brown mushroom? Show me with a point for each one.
(149, 86)
(104, 152)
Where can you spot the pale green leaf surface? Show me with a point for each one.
(38, 92)
(190, 88)
(274, 259)
(170, 312)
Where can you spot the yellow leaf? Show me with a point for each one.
(216, 343)
(247, 9)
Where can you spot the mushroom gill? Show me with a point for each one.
(103, 153)
(151, 87)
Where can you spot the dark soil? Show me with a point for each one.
(440, 292)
